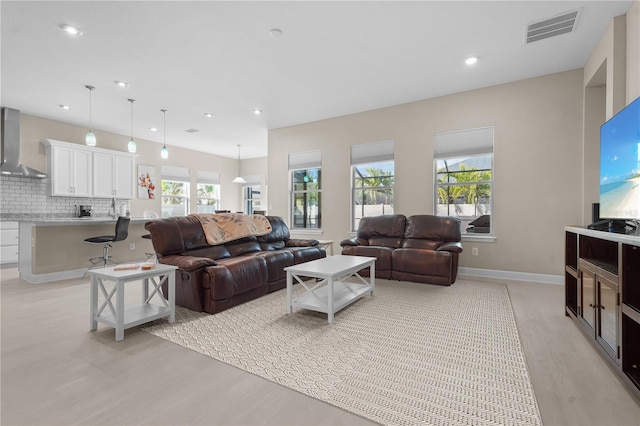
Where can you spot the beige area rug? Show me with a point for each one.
(412, 354)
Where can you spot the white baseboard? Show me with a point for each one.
(510, 275)
(52, 276)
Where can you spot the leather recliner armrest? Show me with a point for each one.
(453, 247)
(300, 242)
(187, 263)
(354, 242)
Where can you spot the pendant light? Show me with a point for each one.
(131, 146)
(164, 153)
(90, 139)
(239, 179)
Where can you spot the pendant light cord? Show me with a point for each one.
(132, 101)
(90, 122)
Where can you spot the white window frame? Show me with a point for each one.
(177, 175)
(185, 198)
(465, 144)
(369, 153)
(208, 178)
(307, 160)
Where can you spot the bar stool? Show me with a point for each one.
(122, 231)
(149, 255)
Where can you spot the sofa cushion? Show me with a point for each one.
(243, 246)
(382, 254)
(276, 262)
(306, 254)
(422, 262)
(431, 227)
(421, 244)
(235, 275)
(279, 230)
(212, 252)
(273, 245)
(176, 234)
(382, 226)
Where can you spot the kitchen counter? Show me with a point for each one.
(51, 220)
(52, 247)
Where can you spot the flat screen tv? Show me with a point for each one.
(620, 166)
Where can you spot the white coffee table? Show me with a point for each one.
(333, 292)
(121, 318)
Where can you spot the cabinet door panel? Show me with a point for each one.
(9, 254)
(61, 171)
(608, 312)
(124, 177)
(103, 181)
(82, 173)
(587, 288)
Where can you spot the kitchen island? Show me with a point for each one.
(53, 248)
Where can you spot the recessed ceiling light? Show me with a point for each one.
(70, 29)
(208, 114)
(275, 32)
(67, 107)
(257, 111)
(153, 129)
(121, 83)
(471, 60)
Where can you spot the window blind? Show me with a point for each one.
(180, 174)
(305, 160)
(463, 142)
(372, 152)
(211, 178)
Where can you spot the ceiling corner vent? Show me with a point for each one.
(551, 27)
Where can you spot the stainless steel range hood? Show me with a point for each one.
(10, 164)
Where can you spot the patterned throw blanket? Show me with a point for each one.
(225, 227)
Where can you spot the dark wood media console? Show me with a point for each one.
(602, 294)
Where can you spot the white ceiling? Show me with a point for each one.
(333, 58)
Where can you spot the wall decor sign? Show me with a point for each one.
(146, 181)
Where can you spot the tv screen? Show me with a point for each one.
(620, 164)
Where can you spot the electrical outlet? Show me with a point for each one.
(132, 246)
(474, 251)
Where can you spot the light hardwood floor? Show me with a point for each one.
(54, 371)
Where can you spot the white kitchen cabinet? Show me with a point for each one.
(8, 242)
(113, 175)
(77, 170)
(70, 171)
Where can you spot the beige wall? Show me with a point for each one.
(633, 52)
(34, 129)
(538, 143)
(611, 81)
(61, 248)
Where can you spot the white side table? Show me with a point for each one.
(328, 246)
(121, 318)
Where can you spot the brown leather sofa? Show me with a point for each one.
(420, 248)
(212, 278)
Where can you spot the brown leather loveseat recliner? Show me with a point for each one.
(212, 278)
(420, 248)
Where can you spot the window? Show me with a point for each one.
(463, 163)
(208, 192)
(306, 189)
(251, 194)
(175, 191)
(372, 169)
(251, 198)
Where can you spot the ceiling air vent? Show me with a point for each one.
(192, 130)
(551, 27)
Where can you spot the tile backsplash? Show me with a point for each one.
(19, 195)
